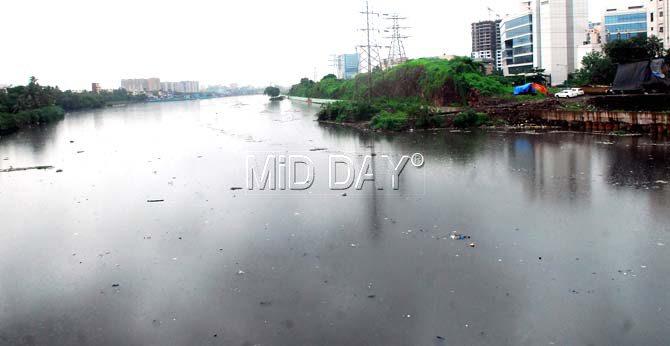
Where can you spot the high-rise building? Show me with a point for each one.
(659, 24)
(141, 85)
(516, 34)
(559, 26)
(180, 87)
(622, 24)
(486, 42)
(95, 87)
(347, 66)
(547, 35)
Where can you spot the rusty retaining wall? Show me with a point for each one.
(607, 120)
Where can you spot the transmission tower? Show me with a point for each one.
(397, 54)
(369, 57)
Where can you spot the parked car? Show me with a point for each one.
(567, 93)
(579, 91)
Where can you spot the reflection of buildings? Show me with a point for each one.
(95, 88)
(552, 168)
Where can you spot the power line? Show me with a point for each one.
(369, 51)
(397, 54)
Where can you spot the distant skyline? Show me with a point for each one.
(72, 43)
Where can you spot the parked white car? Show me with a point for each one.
(579, 91)
(567, 93)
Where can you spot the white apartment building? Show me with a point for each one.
(657, 20)
(559, 26)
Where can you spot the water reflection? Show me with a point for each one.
(566, 229)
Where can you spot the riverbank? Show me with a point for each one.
(626, 114)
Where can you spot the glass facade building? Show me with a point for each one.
(517, 40)
(625, 24)
(347, 66)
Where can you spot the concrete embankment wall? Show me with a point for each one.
(311, 100)
(608, 120)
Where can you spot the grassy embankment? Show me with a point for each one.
(409, 95)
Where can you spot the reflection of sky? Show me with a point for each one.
(583, 207)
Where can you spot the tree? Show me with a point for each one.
(272, 91)
(634, 49)
(537, 76)
(597, 69)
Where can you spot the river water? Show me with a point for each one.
(571, 235)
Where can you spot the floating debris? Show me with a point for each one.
(457, 236)
(12, 169)
(240, 272)
(59, 171)
(266, 303)
(235, 188)
(318, 149)
(472, 245)
(116, 285)
(155, 200)
(662, 182)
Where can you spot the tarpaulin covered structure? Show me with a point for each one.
(530, 88)
(642, 76)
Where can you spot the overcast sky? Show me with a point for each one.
(71, 43)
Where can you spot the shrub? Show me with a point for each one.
(14, 121)
(393, 121)
(342, 111)
(470, 118)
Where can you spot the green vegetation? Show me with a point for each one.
(634, 49)
(600, 68)
(10, 122)
(384, 114)
(272, 91)
(393, 121)
(33, 104)
(470, 118)
(432, 80)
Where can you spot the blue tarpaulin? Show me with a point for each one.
(524, 89)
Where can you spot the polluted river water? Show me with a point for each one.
(135, 233)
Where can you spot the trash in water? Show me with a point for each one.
(12, 169)
(235, 188)
(457, 236)
(240, 272)
(155, 200)
(115, 285)
(662, 182)
(472, 245)
(318, 149)
(59, 171)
